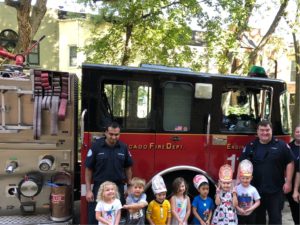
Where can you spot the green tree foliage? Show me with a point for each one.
(226, 30)
(157, 32)
(144, 31)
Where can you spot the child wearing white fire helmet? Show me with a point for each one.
(202, 205)
(248, 196)
(159, 210)
(225, 199)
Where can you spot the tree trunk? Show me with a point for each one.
(24, 27)
(29, 19)
(241, 28)
(126, 55)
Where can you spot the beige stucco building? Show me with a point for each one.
(74, 33)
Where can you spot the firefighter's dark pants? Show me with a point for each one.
(273, 204)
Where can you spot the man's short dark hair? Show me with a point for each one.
(113, 125)
(264, 123)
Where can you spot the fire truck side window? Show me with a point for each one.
(285, 113)
(177, 106)
(242, 109)
(129, 103)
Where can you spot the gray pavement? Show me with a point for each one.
(286, 215)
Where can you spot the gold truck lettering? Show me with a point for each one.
(234, 147)
(153, 146)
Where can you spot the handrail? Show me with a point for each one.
(82, 124)
(208, 129)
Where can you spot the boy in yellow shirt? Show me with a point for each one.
(159, 209)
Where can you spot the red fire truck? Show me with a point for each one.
(177, 122)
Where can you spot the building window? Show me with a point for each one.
(73, 56)
(33, 57)
(293, 71)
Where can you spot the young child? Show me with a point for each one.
(108, 208)
(226, 199)
(248, 196)
(159, 210)
(136, 202)
(180, 202)
(202, 204)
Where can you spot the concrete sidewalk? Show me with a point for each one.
(286, 215)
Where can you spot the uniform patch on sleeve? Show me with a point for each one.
(90, 153)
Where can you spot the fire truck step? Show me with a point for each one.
(30, 220)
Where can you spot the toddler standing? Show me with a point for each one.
(180, 202)
(159, 210)
(226, 199)
(248, 196)
(108, 208)
(202, 204)
(136, 202)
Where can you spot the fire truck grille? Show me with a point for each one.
(29, 220)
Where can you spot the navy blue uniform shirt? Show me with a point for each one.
(269, 164)
(296, 152)
(108, 163)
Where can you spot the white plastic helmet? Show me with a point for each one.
(246, 168)
(225, 173)
(158, 185)
(198, 180)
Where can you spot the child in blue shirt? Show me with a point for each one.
(202, 205)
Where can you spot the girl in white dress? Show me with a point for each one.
(226, 199)
(180, 203)
(108, 208)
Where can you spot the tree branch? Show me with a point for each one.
(38, 12)
(271, 30)
(274, 24)
(12, 3)
(161, 8)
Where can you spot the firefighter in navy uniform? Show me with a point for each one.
(273, 168)
(107, 160)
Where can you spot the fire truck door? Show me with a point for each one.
(176, 144)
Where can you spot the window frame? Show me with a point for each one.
(125, 119)
(72, 57)
(34, 52)
(163, 107)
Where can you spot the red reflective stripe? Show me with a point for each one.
(64, 96)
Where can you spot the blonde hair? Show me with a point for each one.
(100, 196)
(136, 181)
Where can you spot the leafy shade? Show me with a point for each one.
(131, 32)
